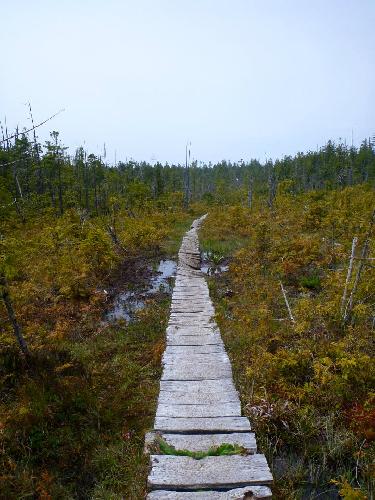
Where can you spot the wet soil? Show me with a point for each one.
(137, 282)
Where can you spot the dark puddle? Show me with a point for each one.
(212, 264)
(126, 303)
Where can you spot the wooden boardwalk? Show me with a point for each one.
(198, 406)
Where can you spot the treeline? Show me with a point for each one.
(35, 177)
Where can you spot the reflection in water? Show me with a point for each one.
(209, 267)
(126, 304)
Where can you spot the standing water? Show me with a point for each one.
(127, 303)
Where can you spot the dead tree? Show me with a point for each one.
(187, 176)
(5, 296)
(250, 193)
(348, 276)
(272, 186)
(291, 317)
(362, 263)
(36, 154)
(7, 139)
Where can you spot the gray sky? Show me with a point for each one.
(238, 78)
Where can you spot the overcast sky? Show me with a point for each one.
(238, 78)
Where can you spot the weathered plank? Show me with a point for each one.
(190, 318)
(191, 294)
(186, 284)
(183, 350)
(192, 329)
(185, 473)
(250, 492)
(199, 323)
(198, 386)
(204, 442)
(190, 287)
(195, 358)
(205, 424)
(189, 306)
(180, 278)
(198, 398)
(197, 391)
(203, 371)
(231, 409)
(183, 288)
(194, 340)
(190, 303)
(198, 331)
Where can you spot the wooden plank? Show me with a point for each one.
(194, 340)
(250, 492)
(191, 303)
(198, 332)
(189, 283)
(192, 308)
(198, 323)
(190, 294)
(185, 287)
(202, 424)
(188, 329)
(187, 276)
(170, 358)
(187, 272)
(185, 473)
(199, 397)
(232, 409)
(188, 350)
(203, 329)
(190, 317)
(184, 322)
(203, 371)
(198, 386)
(204, 442)
(196, 302)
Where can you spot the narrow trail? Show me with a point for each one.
(198, 406)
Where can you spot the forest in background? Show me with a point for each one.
(35, 177)
(75, 405)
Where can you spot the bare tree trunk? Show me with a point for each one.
(272, 186)
(364, 255)
(187, 177)
(287, 303)
(86, 184)
(19, 211)
(348, 276)
(39, 184)
(61, 204)
(250, 194)
(4, 294)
